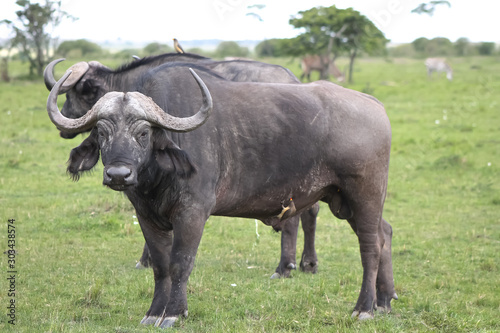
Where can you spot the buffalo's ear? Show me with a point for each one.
(84, 157)
(90, 90)
(170, 157)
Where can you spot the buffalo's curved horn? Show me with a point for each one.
(67, 124)
(78, 69)
(48, 74)
(157, 116)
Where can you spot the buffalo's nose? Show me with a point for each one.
(120, 175)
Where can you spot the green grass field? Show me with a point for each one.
(77, 243)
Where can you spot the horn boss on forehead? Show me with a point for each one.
(78, 71)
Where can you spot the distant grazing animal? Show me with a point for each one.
(238, 149)
(90, 81)
(438, 65)
(323, 65)
(177, 46)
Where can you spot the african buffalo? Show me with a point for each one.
(90, 81)
(242, 155)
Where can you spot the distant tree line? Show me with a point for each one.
(83, 48)
(78, 48)
(419, 48)
(440, 46)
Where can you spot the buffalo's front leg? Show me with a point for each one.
(187, 236)
(309, 261)
(159, 243)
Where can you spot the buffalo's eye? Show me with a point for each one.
(143, 136)
(101, 135)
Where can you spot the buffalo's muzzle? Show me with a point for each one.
(119, 177)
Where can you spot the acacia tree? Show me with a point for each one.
(31, 31)
(329, 31)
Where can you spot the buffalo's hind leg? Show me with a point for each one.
(309, 261)
(377, 289)
(364, 214)
(366, 226)
(145, 261)
(288, 248)
(385, 280)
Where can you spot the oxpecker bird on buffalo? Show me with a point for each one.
(177, 46)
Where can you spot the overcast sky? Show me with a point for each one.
(162, 20)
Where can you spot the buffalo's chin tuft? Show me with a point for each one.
(75, 175)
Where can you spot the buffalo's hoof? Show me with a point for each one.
(383, 309)
(169, 321)
(309, 267)
(362, 315)
(284, 273)
(166, 322)
(149, 320)
(384, 302)
(139, 265)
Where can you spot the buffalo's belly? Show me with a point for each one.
(265, 200)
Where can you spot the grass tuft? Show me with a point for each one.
(93, 295)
